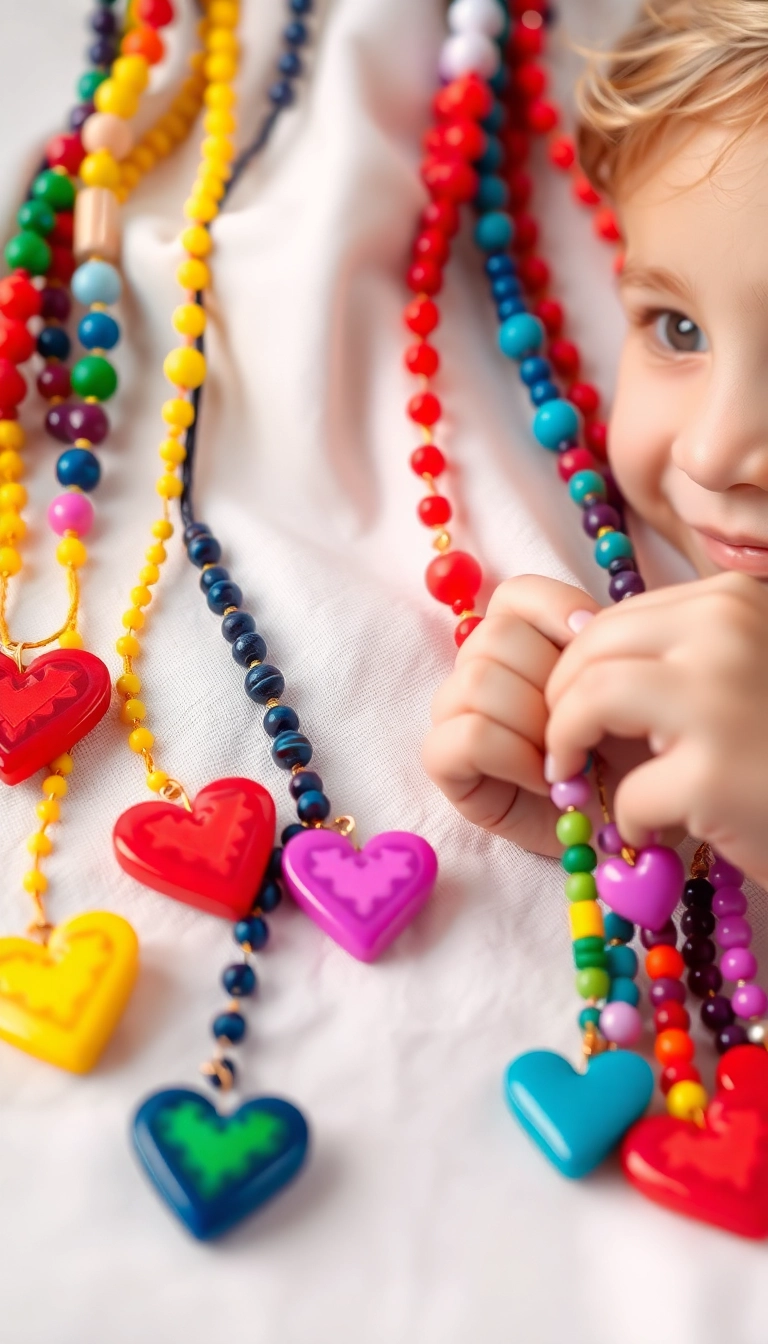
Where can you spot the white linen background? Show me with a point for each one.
(424, 1216)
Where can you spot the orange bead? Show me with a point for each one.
(664, 961)
(143, 41)
(674, 1046)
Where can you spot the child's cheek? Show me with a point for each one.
(640, 437)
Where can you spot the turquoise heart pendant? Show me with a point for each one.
(578, 1118)
(212, 1170)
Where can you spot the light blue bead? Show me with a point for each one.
(98, 331)
(622, 962)
(585, 483)
(543, 392)
(96, 282)
(624, 990)
(521, 336)
(616, 926)
(494, 231)
(492, 194)
(556, 423)
(510, 308)
(613, 546)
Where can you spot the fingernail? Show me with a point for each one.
(578, 619)
(549, 768)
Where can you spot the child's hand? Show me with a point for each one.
(486, 747)
(687, 669)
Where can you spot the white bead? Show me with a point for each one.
(756, 1032)
(476, 16)
(468, 53)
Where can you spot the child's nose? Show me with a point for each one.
(724, 439)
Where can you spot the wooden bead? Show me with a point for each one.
(97, 226)
(103, 130)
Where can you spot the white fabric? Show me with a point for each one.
(425, 1216)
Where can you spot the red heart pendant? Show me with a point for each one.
(47, 708)
(742, 1074)
(213, 857)
(718, 1174)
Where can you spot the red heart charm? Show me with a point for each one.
(742, 1075)
(47, 708)
(213, 857)
(718, 1173)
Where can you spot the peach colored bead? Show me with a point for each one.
(97, 226)
(103, 130)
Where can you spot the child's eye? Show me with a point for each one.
(678, 332)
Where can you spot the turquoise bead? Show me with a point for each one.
(492, 194)
(585, 483)
(624, 990)
(494, 232)
(88, 83)
(520, 336)
(622, 962)
(589, 1017)
(616, 926)
(613, 546)
(96, 282)
(555, 423)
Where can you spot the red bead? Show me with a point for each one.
(464, 629)
(585, 397)
(584, 191)
(434, 511)
(427, 461)
(521, 7)
(63, 230)
(678, 1072)
(450, 177)
(424, 277)
(541, 116)
(425, 408)
(18, 296)
(431, 245)
(606, 225)
(157, 13)
(62, 265)
(13, 387)
(468, 96)
(421, 316)
(565, 357)
(530, 80)
(596, 438)
(465, 138)
(520, 186)
(65, 151)
(433, 140)
(422, 358)
(573, 460)
(53, 381)
(517, 145)
(143, 41)
(454, 577)
(671, 1014)
(16, 342)
(443, 215)
(534, 274)
(551, 314)
(527, 41)
(526, 233)
(562, 152)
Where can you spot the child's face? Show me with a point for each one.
(689, 431)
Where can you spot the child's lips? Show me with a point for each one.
(744, 554)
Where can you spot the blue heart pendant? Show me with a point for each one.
(578, 1118)
(212, 1170)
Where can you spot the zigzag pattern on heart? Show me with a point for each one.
(214, 835)
(46, 988)
(23, 707)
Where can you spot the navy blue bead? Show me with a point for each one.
(252, 931)
(295, 34)
(53, 343)
(195, 530)
(213, 575)
(103, 22)
(510, 308)
(541, 392)
(229, 1027)
(281, 93)
(249, 648)
(499, 81)
(270, 895)
(495, 119)
(239, 980)
(301, 6)
(224, 594)
(275, 865)
(288, 835)
(237, 623)
(280, 719)
(304, 782)
(289, 64)
(291, 749)
(505, 287)
(535, 370)
(490, 161)
(80, 467)
(264, 683)
(498, 264)
(204, 550)
(98, 331)
(103, 51)
(313, 806)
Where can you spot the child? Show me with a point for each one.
(672, 686)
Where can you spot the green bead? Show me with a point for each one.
(593, 983)
(593, 943)
(88, 83)
(581, 887)
(29, 252)
(583, 960)
(94, 376)
(589, 1017)
(56, 189)
(36, 216)
(579, 859)
(573, 828)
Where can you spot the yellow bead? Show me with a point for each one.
(217, 148)
(133, 710)
(222, 39)
(12, 527)
(54, 784)
(11, 434)
(70, 639)
(686, 1099)
(184, 366)
(34, 880)
(71, 551)
(174, 125)
(100, 169)
(40, 843)
(63, 764)
(156, 779)
(223, 14)
(120, 99)
(131, 70)
(133, 618)
(156, 554)
(162, 528)
(140, 740)
(48, 810)
(586, 919)
(188, 104)
(141, 596)
(172, 452)
(220, 96)
(12, 496)
(177, 411)
(11, 465)
(196, 240)
(219, 121)
(128, 646)
(130, 175)
(209, 183)
(149, 574)
(143, 157)
(221, 65)
(189, 319)
(169, 487)
(10, 560)
(159, 142)
(128, 684)
(193, 274)
(201, 208)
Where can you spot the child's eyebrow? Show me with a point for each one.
(655, 277)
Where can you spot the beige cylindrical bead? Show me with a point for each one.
(97, 224)
(103, 130)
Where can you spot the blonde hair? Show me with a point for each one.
(681, 63)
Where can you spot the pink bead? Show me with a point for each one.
(609, 839)
(621, 1023)
(734, 932)
(750, 1001)
(725, 874)
(739, 964)
(574, 792)
(72, 512)
(729, 901)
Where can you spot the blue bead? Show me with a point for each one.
(541, 393)
(275, 865)
(492, 194)
(270, 895)
(556, 423)
(289, 64)
(229, 1027)
(303, 782)
(96, 282)
(264, 683)
(214, 1078)
(204, 550)
(622, 962)
(224, 594)
(624, 990)
(494, 231)
(212, 575)
(498, 264)
(584, 484)
(500, 80)
(505, 287)
(291, 748)
(616, 926)
(281, 93)
(295, 34)
(301, 6)
(239, 980)
(613, 546)
(313, 806)
(280, 719)
(237, 623)
(193, 530)
(53, 343)
(249, 648)
(288, 834)
(510, 308)
(589, 1017)
(535, 370)
(80, 467)
(495, 119)
(253, 931)
(493, 157)
(98, 331)
(520, 336)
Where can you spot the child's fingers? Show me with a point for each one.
(507, 638)
(460, 753)
(546, 604)
(655, 797)
(485, 687)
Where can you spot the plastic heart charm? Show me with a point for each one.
(62, 1002)
(213, 1170)
(362, 898)
(645, 892)
(212, 857)
(718, 1173)
(47, 708)
(578, 1118)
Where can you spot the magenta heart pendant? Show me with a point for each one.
(645, 892)
(362, 898)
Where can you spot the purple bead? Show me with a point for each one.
(705, 980)
(609, 839)
(621, 563)
(614, 494)
(80, 113)
(53, 381)
(103, 51)
(698, 951)
(730, 1037)
(699, 923)
(666, 988)
(574, 792)
(626, 584)
(697, 894)
(597, 516)
(87, 420)
(56, 303)
(725, 874)
(729, 901)
(667, 936)
(739, 964)
(56, 424)
(734, 931)
(103, 21)
(717, 1013)
(750, 1001)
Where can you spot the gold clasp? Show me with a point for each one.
(344, 826)
(174, 792)
(15, 651)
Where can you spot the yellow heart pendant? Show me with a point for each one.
(62, 1002)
